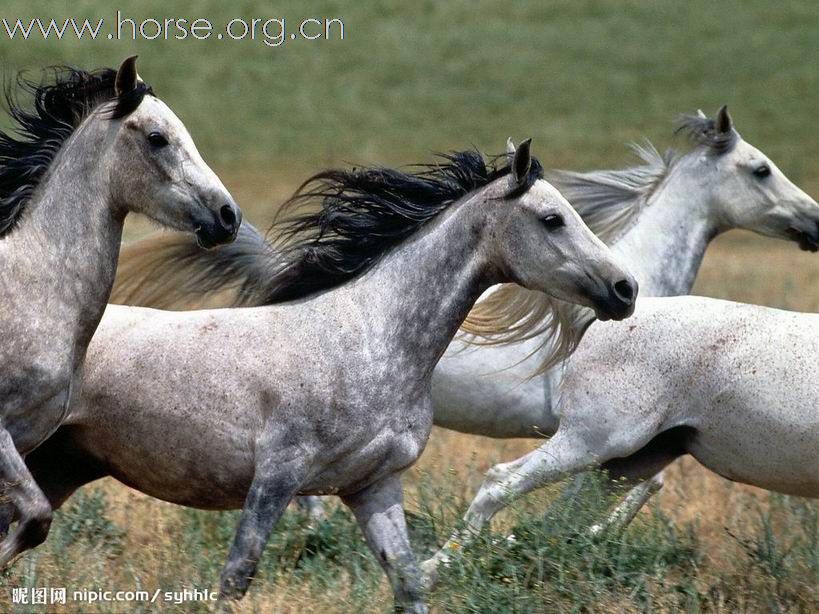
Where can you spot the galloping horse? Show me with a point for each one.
(326, 388)
(95, 146)
(732, 385)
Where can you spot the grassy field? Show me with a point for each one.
(580, 76)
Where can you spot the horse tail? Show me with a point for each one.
(169, 270)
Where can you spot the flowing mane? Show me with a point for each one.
(336, 226)
(364, 213)
(60, 103)
(610, 202)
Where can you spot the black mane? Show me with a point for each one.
(365, 212)
(61, 101)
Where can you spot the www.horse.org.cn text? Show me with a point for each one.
(272, 32)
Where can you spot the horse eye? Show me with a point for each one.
(760, 172)
(553, 222)
(157, 140)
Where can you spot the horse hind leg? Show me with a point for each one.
(31, 505)
(645, 468)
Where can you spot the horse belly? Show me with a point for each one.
(212, 472)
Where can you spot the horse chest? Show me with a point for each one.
(385, 447)
(399, 440)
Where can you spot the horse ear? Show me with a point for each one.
(127, 77)
(522, 162)
(510, 148)
(701, 115)
(724, 123)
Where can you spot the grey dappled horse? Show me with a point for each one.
(324, 390)
(95, 146)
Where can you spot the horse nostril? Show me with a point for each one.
(625, 291)
(228, 217)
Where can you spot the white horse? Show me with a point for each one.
(659, 219)
(733, 385)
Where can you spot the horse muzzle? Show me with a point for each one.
(221, 228)
(619, 302)
(808, 242)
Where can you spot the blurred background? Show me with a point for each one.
(582, 77)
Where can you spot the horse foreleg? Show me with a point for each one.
(21, 491)
(561, 456)
(645, 469)
(379, 510)
(274, 484)
(641, 469)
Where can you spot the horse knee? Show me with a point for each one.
(499, 473)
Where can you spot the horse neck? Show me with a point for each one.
(665, 248)
(419, 295)
(69, 238)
